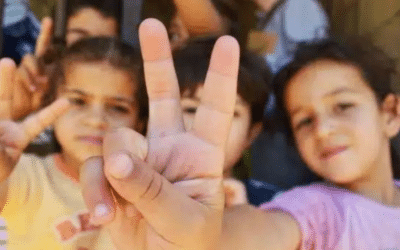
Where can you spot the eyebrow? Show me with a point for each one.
(78, 30)
(238, 101)
(341, 91)
(118, 99)
(338, 91)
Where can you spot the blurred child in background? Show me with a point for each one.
(191, 64)
(41, 197)
(84, 18)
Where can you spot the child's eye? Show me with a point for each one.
(77, 101)
(341, 107)
(120, 109)
(303, 123)
(190, 110)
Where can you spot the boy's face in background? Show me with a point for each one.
(102, 98)
(339, 128)
(239, 135)
(90, 22)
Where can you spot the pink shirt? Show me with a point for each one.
(333, 218)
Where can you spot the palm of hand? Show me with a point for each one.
(188, 162)
(185, 157)
(24, 101)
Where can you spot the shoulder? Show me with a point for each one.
(28, 161)
(26, 183)
(312, 202)
(308, 195)
(31, 166)
(317, 209)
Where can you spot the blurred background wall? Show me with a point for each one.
(376, 19)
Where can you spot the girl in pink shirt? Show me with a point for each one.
(342, 113)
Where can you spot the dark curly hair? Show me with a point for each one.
(108, 8)
(254, 79)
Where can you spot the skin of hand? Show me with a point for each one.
(30, 82)
(165, 191)
(266, 5)
(15, 136)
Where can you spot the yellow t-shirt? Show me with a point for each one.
(45, 210)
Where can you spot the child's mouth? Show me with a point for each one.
(328, 153)
(93, 140)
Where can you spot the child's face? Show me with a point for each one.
(240, 130)
(338, 126)
(89, 22)
(102, 98)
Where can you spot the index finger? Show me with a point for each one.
(44, 38)
(35, 124)
(165, 114)
(7, 72)
(214, 115)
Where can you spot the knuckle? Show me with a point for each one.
(153, 189)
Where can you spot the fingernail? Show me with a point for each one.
(101, 210)
(100, 214)
(32, 88)
(120, 166)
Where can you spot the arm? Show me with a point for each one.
(246, 227)
(200, 17)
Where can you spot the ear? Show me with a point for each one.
(254, 131)
(391, 111)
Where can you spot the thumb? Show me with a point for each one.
(160, 203)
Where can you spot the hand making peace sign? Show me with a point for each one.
(168, 186)
(30, 82)
(15, 136)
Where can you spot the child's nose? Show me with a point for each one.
(188, 122)
(96, 117)
(324, 126)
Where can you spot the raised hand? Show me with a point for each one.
(169, 191)
(30, 80)
(14, 137)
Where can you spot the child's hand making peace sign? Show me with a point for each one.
(30, 82)
(15, 136)
(168, 185)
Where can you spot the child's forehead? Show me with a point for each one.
(324, 79)
(99, 77)
(327, 75)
